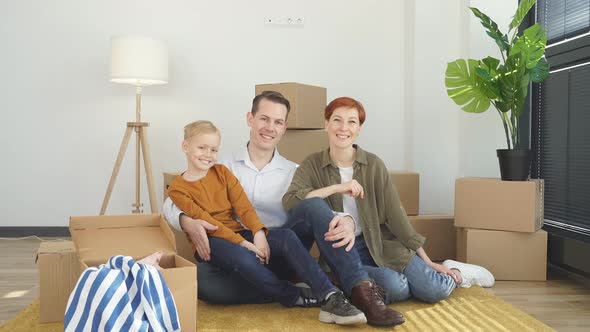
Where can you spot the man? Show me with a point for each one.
(265, 176)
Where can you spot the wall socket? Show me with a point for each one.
(294, 21)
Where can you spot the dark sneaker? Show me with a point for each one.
(309, 300)
(337, 309)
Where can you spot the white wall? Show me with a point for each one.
(62, 121)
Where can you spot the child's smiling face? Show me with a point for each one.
(201, 150)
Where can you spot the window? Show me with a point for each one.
(560, 128)
(563, 18)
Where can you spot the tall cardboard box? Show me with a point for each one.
(408, 188)
(440, 235)
(489, 203)
(183, 246)
(297, 144)
(508, 255)
(98, 238)
(307, 103)
(59, 270)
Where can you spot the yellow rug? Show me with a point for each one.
(473, 309)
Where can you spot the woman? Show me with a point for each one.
(381, 244)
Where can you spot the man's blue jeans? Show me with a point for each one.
(284, 247)
(347, 265)
(417, 280)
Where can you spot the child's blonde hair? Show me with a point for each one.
(200, 127)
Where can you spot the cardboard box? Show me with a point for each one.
(59, 270)
(168, 178)
(307, 103)
(488, 203)
(298, 144)
(101, 237)
(408, 188)
(183, 246)
(508, 255)
(440, 234)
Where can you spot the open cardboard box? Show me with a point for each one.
(97, 238)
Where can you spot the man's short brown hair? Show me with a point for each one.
(274, 96)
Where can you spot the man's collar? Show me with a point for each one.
(277, 161)
(361, 157)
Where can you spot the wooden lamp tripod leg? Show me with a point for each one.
(137, 205)
(145, 150)
(116, 169)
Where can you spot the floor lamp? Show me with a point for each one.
(140, 62)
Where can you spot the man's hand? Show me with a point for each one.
(262, 244)
(250, 246)
(352, 188)
(341, 228)
(197, 233)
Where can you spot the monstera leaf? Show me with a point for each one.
(492, 29)
(523, 9)
(540, 72)
(464, 86)
(488, 75)
(531, 44)
(513, 82)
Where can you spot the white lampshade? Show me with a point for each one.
(138, 61)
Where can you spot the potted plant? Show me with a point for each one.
(475, 85)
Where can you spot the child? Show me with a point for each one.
(211, 192)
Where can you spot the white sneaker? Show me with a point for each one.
(471, 274)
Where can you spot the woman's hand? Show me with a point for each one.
(352, 188)
(262, 244)
(250, 246)
(444, 270)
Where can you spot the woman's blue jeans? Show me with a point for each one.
(417, 279)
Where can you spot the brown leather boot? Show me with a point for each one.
(368, 298)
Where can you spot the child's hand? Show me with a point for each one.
(262, 244)
(250, 246)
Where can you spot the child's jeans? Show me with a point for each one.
(284, 246)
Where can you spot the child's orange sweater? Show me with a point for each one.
(215, 198)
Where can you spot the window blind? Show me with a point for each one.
(563, 18)
(561, 118)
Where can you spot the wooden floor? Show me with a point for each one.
(563, 302)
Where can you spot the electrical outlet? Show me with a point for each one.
(285, 21)
(299, 20)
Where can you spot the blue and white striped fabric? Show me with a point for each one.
(121, 295)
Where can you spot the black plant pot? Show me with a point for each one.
(515, 164)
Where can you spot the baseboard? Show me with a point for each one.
(34, 231)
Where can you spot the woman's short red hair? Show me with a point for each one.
(345, 102)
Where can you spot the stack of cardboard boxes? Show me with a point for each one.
(499, 227)
(305, 133)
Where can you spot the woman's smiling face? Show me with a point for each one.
(343, 127)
